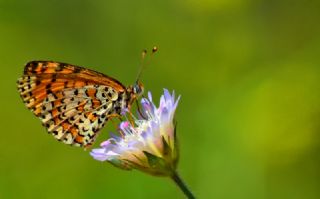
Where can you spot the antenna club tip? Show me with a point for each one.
(144, 52)
(154, 49)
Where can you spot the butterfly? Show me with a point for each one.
(74, 102)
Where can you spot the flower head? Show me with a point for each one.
(150, 145)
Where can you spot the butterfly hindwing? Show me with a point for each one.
(72, 102)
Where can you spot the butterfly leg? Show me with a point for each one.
(115, 116)
(113, 123)
(88, 146)
(139, 110)
(130, 118)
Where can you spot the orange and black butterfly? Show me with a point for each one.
(73, 102)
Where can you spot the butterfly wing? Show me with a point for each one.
(72, 102)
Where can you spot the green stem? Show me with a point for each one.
(176, 178)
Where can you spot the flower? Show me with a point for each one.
(150, 145)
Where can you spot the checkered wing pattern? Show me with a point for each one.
(72, 102)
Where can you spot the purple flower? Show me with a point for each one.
(150, 144)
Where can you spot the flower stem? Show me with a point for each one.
(176, 178)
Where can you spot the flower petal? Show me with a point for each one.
(145, 138)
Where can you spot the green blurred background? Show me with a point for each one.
(248, 72)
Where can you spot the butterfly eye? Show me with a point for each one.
(138, 89)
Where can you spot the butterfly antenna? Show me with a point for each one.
(143, 56)
(143, 63)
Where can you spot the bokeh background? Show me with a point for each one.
(248, 72)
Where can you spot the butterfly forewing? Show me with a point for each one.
(72, 102)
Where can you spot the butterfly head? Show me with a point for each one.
(135, 91)
(138, 89)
